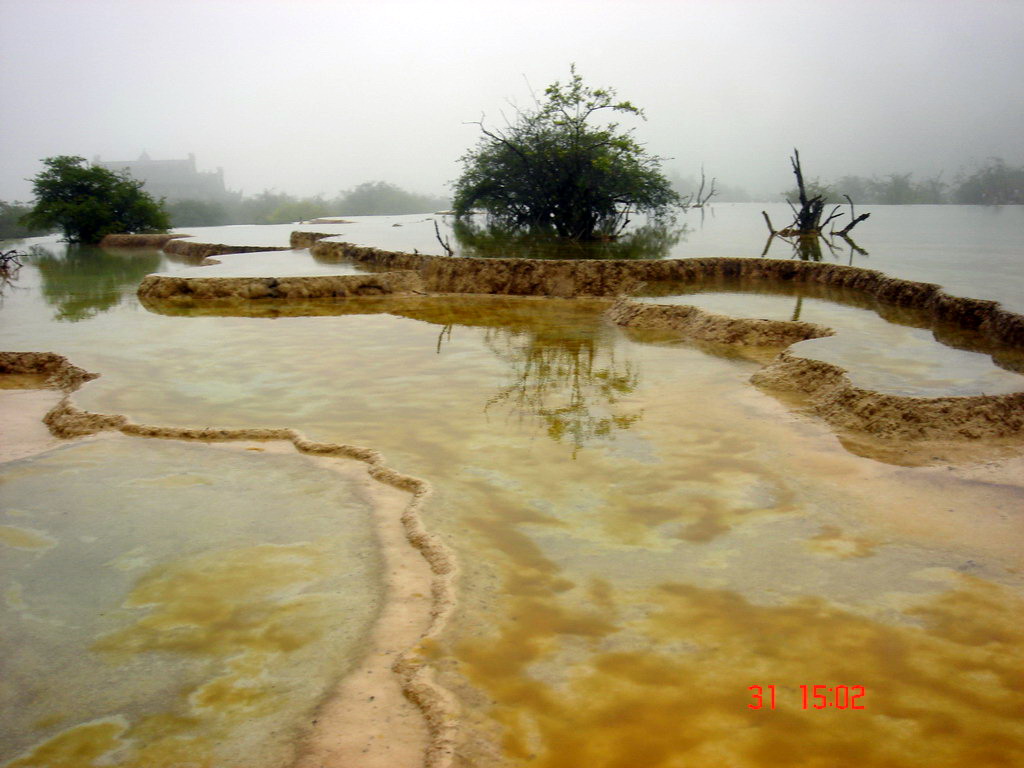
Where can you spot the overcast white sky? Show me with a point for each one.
(309, 96)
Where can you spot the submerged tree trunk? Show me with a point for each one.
(807, 226)
(807, 220)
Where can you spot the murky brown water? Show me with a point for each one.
(641, 534)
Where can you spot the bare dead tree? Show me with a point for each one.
(444, 243)
(854, 220)
(701, 199)
(807, 220)
(806, 232)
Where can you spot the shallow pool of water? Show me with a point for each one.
(168, 602)
(971, 250)
(642, 535)
(262, 264)
(877, 344)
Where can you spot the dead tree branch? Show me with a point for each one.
(702, 199)
(444, 243)
(854, 220)
(808, 218)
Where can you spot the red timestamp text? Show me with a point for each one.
(812, 697)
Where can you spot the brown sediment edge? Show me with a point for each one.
(831, 394)
(177, 288)
(60, 373)
(196, 250)
(138, 241)
(437, 705)
(835, 399)
(565, 278)
(699, 324)
(829, 389)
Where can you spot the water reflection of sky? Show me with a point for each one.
(641, 533)
(882, 355)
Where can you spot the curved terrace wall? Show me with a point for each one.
(195, 250)
(67, 420)
(533, 277)
(827, 387)
(138, 241)
(184, 289)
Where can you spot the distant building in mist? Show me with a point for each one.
(172, 179)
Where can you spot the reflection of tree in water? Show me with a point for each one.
(85, 281)
(570, 384)
(650, 241)
(808, 247)
(10, 267)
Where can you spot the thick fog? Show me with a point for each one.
(307, 96)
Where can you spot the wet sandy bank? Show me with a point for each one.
(701, 325)
(195, 250)
(176, 288)
(138, 241)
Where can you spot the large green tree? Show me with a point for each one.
(556, 167)
(87, 202)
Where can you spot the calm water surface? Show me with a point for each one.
(642, 535)
(972, 251)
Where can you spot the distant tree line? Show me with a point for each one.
(268, 207)
(994, 183)
(371, 198)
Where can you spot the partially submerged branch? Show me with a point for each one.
(702, 199)
(10, 265)
(854, 220)
(444, 243)
(807, 220)
(807, 225)
(9, 261)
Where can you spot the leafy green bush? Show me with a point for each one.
(552, 169)
(87, 202)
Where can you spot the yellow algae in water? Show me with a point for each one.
(832, 541)
(224, 602)
(78, 747)
(245, 686)
(244, 607)
(156, 742)
(25, 538)
(669, 687)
